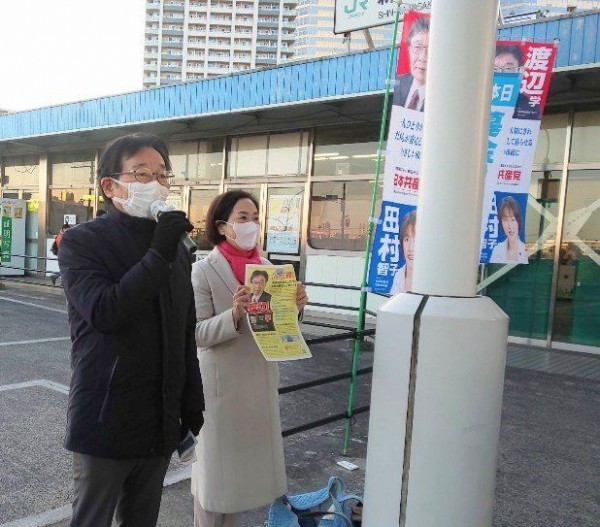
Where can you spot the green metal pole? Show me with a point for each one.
(360, 325)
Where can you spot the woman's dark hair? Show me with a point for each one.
(111, 160)
(258, 272)
(510, 204)
(220, 210)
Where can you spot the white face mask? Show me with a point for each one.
(246, 234)
(140, 196)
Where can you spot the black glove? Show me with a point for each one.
(193, 423)
(171, 225)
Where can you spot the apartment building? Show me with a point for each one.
(197, 39)
(315, 37)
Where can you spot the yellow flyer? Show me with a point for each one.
(272, 312)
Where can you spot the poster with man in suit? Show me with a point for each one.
(273, 313)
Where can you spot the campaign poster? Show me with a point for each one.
(273, 314)
(514, 129)
(521, 83)
(283, 223)
(391, 266)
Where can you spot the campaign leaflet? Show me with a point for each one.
(520, 89)
(272, 312)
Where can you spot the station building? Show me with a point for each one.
(303, 138)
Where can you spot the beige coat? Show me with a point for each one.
(240, 462)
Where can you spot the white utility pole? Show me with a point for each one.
(441, 350)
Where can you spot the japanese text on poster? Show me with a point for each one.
(521, 83)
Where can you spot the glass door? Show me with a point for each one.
(524, 291)
(577, 309)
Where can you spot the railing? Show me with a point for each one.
(347, 333)
(344, 333)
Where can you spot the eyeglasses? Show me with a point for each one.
(418, 49)
(145, 175)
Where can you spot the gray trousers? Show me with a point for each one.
(128, 489)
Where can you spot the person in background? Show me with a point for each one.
(403, 277)
(136, 389)
(240, 464)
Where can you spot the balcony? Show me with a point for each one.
(265, 62)
(171, 69)
(290, 37)
(218, 46)
(173, 32)
(244, 22)
(153, 42)
(269, 24)
(262, 47)
(197, 45)
(153, 5)
(261, 35)
(176, 8)
(151, 31)
(175, 45)
(172, 56)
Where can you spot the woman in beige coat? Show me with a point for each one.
(240, 464)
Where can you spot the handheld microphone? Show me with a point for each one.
(157, 208)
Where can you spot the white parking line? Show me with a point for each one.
(45, 383)
(15, 301)
(35, 341)
(62, 513)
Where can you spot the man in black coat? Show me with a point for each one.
(409, 89)
(136, 389)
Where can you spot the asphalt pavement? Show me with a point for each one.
(549, 453)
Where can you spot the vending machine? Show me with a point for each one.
(12, 237)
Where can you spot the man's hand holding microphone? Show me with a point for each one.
(172, 228)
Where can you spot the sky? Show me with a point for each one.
(57, 51)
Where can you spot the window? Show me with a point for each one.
(21, 171)
(552, 139)
(346, 150)
(73, 201)
(586, 137)
(73, 169)
(269, 155)
(200, 200)
(197, 160)
(339, 213)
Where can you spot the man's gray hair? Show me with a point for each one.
(420, 24)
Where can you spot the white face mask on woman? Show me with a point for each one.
(246, 234)
(140, 196)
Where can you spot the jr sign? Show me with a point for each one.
(352, 15)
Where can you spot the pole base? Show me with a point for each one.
(435, 412)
